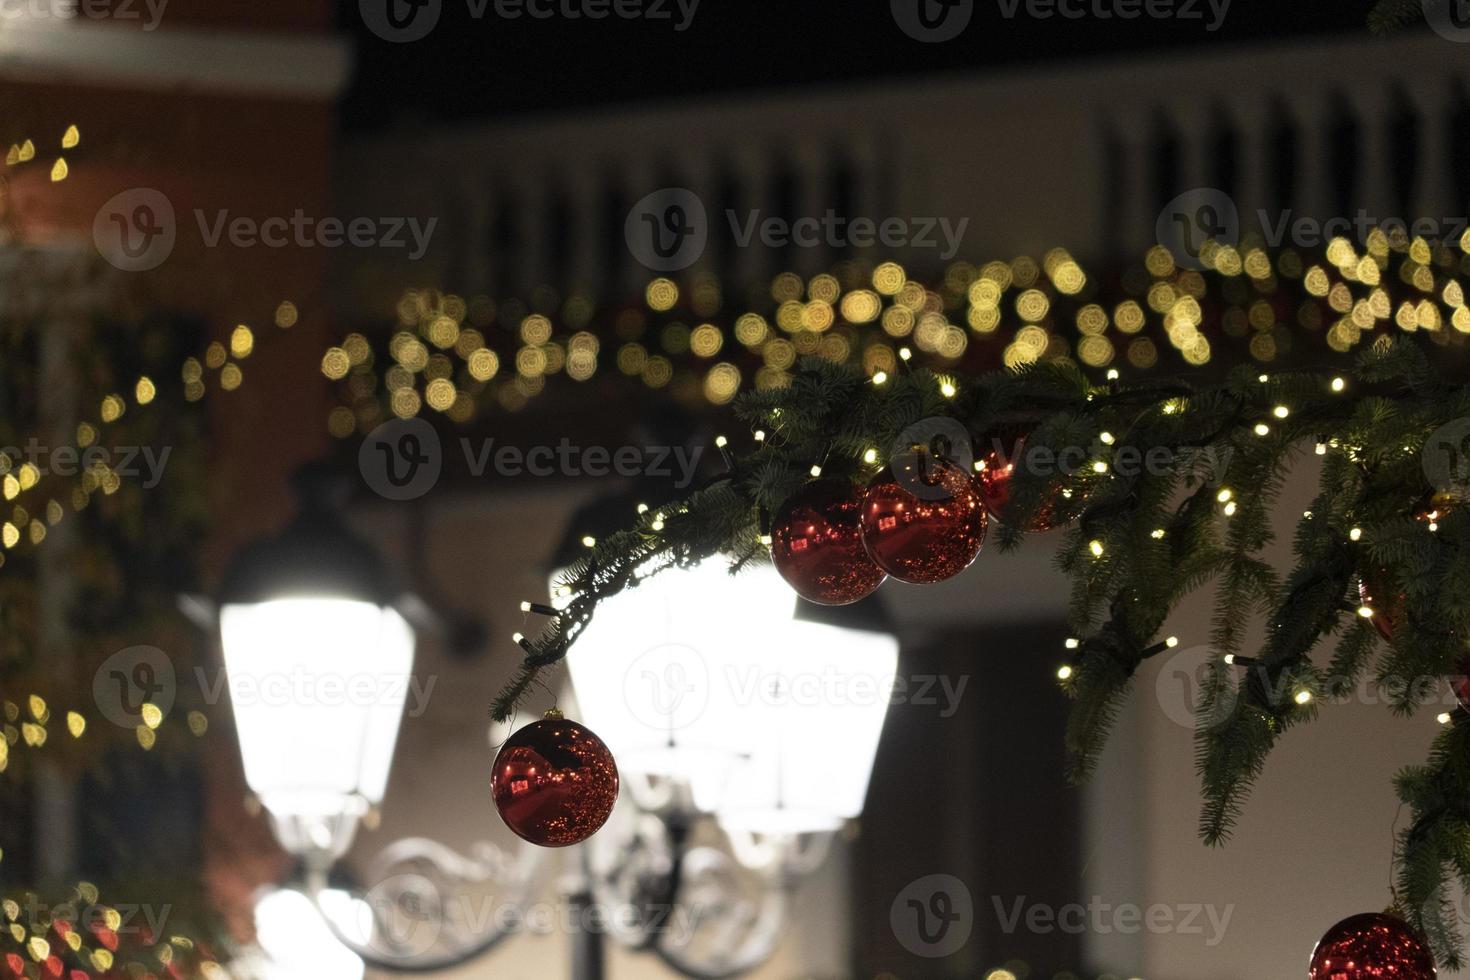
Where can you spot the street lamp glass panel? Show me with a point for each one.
(318, 687)
(658, 672)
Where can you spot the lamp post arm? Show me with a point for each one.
(424, 883)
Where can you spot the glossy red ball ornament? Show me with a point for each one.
(1460, 684)
(924, 526)
(817, 545)
(554, 782)
(1372, 946)
(1387, 606)
(994, 478)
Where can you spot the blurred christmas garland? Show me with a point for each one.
(1142, 538)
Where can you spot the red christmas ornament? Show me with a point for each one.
(1388, 607)
(1372, 946)
(817, 545)
(554, 782)
(996, 472)
(926, 526)
(1460, 683)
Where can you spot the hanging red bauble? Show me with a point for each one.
(1460, 683)
(554, 782)
(1372, 946)
(926, 526)
(817, 545)
(1387, 606)
(997, 472)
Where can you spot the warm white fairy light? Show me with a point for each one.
(518, 637)
(1444, 718)
(1230, 660)
(1157, 534)
(816, 470)
(1262, 429)
(760, 435)
(721, 442)
(1107, 438)
(870, 457)
(1355, 534)
(1264, 379)
(1073, 643)
(879, 377)
(1321, 449)
(1281, 411)
(1303, 697)
(1113, 374)
(1171, 642)
(1365, 611)
(1224, 495)
(766, 540)
(642, 508)
(1096, 547)
(905, 353)
(1099, 467)
(947, 389)
(1338, 384)
(588, 541)
(1064, 673)
(1230, 509)
(525, 607)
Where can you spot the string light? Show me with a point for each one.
(1338, 384)
(1262, 429)
(1064, 672)
(1444, 718)
(1321, 449)
(1072, 643)
(1303, 697)
(1281, 411)
(1365, 611)
(1096, 547)
(816, 470)
(879, 377)
(870, 457)
(588, 541)
(1230, 509)
(1355, 534)
(1107, 438)
(947, 389)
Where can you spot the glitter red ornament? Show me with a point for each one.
(817, 545)
(554, 782)
(1388, 607)
(923, 521)
(1372, 946)
(996, 472)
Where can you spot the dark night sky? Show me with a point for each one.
(486, 67)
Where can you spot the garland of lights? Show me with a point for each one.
(1381, 550)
